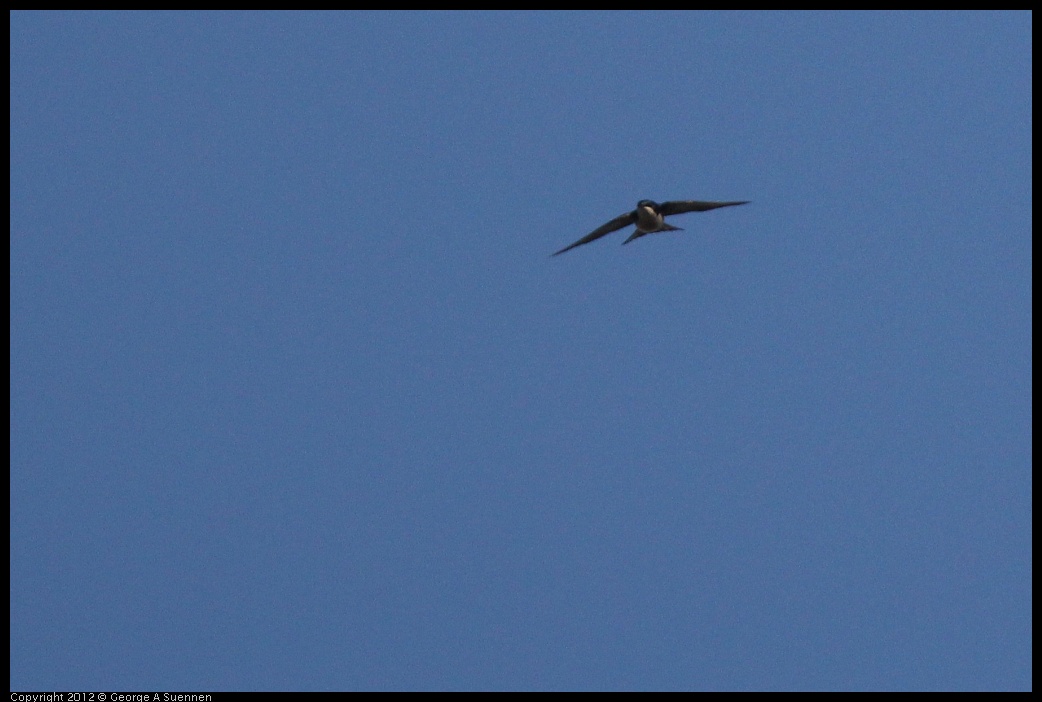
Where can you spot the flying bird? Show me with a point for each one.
(649, 218)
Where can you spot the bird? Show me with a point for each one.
(649, 218)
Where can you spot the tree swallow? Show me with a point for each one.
(649, 218)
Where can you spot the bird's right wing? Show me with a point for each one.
(681, 206)
(606, 228)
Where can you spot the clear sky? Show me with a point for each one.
(300, 400)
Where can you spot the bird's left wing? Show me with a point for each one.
(606, 228)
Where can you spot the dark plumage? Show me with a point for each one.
(649, 218)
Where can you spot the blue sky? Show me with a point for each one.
(300, 400)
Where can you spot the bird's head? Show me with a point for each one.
(650, 204)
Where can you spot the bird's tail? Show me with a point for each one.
(664, 228)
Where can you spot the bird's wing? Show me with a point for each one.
(681, 206)
(606, 228)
